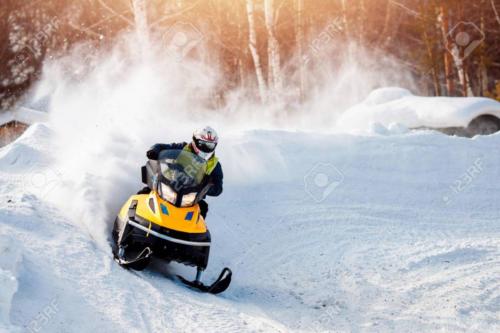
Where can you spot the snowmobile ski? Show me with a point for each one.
(220, 285)
(137, 262)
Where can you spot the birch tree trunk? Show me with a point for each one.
(460, 60)
(344, 18)
(448, 70)
(242, 51)
(274, 82)
(483, 69)
(361, 20)
(299, 40)
(385, 35)
(430, 51)
(434, 70)
(252, 44)
(141, 23)
(460, 65)
(495, 11)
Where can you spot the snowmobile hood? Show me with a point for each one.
(152, 208)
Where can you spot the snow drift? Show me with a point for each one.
(390, 107)
(10, 258)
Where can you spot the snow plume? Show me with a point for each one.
(348, 79)
(337, 76)
(106, 110)
(108, 106)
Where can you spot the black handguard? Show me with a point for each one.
(152, 154)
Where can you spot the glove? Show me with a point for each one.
(152, 154)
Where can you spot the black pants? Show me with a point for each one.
(145, 190)
(203, 204)
(203, 208)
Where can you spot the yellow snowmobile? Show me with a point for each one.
(166, 222)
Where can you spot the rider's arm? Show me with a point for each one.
(216, 178)
(154, 151)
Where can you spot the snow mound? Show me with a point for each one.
(388, 106)
(10, 258)
(20, 155)
(385, 95)
(24, 115)
(26, 162)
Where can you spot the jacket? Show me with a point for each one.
(215, 176)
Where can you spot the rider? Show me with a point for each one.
(203, 144)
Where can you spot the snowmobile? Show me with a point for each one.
(165, 221)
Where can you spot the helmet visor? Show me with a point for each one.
(205, 146)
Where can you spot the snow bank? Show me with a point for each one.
(386, 95)
(9, 287)
(389, 106)
(10, 258)
(23, 114)
(29, 151)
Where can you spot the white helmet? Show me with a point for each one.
(204, 142)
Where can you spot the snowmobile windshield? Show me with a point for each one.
(182, 169)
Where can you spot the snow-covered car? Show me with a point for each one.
(467, 116)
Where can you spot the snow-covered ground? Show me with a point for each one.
(323, 232)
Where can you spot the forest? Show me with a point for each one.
(266, 47)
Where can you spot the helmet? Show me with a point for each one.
(204, 142)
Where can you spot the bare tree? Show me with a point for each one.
(445, 27)
(299, 40)
(483, 69)
(386, 35)
(141, 22)
(345, 21)
(430, 51)
(495, 11)
(361, 20)
(273, 50)
(252, 44)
